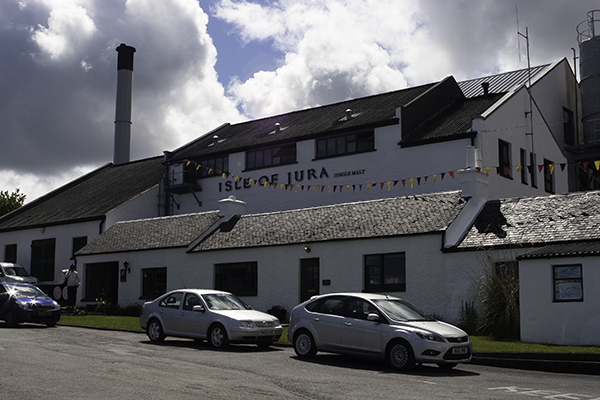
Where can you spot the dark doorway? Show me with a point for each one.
(102, 282)
(309, 278)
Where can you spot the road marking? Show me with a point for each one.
(544, 394)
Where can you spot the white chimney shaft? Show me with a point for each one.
(123, 106)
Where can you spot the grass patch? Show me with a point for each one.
(102, 321)
(484, 344)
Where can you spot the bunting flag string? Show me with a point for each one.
(412, 182)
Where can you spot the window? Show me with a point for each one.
(359, 308)
(346, 144)
(568, 127)
(532, 169)
(524, 167)
(270, 157)
(172, 300)
(42, 259)
(237, 278)
(209, 167)
(504, 159)
(568, 283)
(154, 282)
(548, 176)
(10, 253)
(385, 272)
(333, 305)
(79, 243)
(191, 300)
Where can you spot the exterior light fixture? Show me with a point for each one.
(307, 249)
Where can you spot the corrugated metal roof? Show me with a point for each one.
(571, 249)
(89, 197)
(500, 83)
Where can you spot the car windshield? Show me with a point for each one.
(24, 291)
(400, 310)
(219, 302)
(17, 270)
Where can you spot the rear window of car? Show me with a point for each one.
(328, 305)
(171, 301)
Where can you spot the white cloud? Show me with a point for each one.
(61, 59)
(339, 49)
(67, 24)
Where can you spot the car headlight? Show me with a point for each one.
(55, 304)
(246, 324)
(430, 336)
(22, 304)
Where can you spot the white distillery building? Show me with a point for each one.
(411, 141)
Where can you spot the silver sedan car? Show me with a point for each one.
(219, 317)
(378, 325)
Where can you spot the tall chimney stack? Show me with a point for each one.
(123, 106)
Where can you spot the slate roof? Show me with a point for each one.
(87, 198)
(453, 123)
(536, 221)
(152, 233)
(572, 249)
(361, 220)
(368, 112)
(371, 111)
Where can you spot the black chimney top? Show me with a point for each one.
(125, 58)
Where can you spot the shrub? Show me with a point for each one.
(468, 320)
(499, 296)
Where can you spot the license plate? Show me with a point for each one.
(267, 333)
(460, 350)
(44, 313)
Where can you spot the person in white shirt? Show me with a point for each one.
(72, 285)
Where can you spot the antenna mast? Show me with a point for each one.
(530, 113)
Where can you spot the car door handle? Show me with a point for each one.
(316, 319)
(348, 323)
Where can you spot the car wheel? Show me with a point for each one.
(9, 319)
(400, 355)
(155, 331)
(264, 345)
(304, 344)
(50, 324)
(447, 365)
(217, 337)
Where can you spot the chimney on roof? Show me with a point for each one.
(230, 207)
(123, 104)
(486, 88)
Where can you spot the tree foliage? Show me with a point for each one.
(10, 201)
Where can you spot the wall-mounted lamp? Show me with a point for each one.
(124, 271)
(307, 249)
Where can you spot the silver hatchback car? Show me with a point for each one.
(378, 325)
(219, 317)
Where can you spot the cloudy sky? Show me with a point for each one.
(201, 63)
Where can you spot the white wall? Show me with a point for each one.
(144, 205)
(510, 123)
(565, 323)
(63, 234)
(436, 283)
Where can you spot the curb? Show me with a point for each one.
(570, 363)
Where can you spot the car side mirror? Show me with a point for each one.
(199, 308)
(373, 317)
